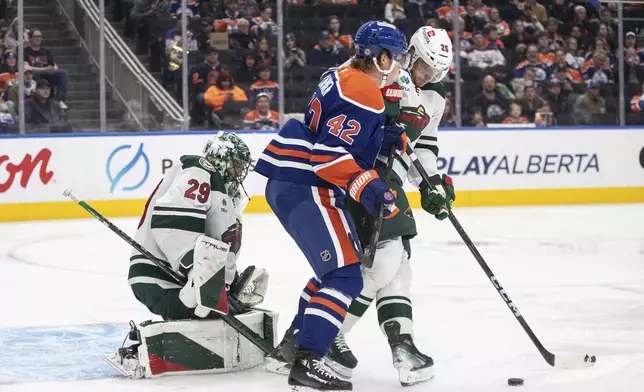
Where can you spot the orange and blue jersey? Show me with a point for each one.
(192, 5)
(447, 12)
(495, 45)
(543, 69)
(340, 137)
(637, 104)
(602, 75)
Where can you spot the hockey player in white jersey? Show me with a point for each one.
(416, 101)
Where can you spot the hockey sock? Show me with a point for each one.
(311, 288)
(357, 309)
(395, 308)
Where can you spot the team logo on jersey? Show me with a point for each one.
(393, 93)
(127, 170)
(414, 117)
(325, 255)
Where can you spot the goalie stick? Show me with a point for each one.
(237, 325)
(565, 362)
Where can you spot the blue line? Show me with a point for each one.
(252, 131)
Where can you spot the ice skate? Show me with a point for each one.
(340, 358)
(283, 355)
(310, 373)
(413, 366)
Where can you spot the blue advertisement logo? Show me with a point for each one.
(122, 172)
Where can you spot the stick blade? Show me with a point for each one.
(578, 361)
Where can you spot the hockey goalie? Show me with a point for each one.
(192, 225)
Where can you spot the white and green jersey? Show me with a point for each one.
(419, 110)
(189, 201)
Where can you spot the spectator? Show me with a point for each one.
(493, 40)
(598, 68)
(630, 41)
(192, 9)
(519, 83)
(171, 74)
(561, 65)
(205, 74)
(264, 25)
(263, 53)
(449, 118)
(465, 37)
(589, 105)
(432, 23)
(490, 101)
(480, 10)
(580, 21)
(247, 72)
(515, 116)
(637, 102)
(558, 8)
(418, 9)
(473, 22)
(8, 71)
(590, 13)
(483, 57)
(247, 8)
(264, 84)
(228, 20)
(262, 117)
(446, 12)
(605, 34)
(609, 20)
(535, 10)
(11, 93)
(557, 98)
(599, 43)
(342, 41)
(140, 20)
(11, 37)
(224, 90)
(501, 76)
(633, 67)
(556, 41)
(478, 120)
(41, 110)
(541, 64)
(531, 101)
(517, 37)
(574, 59)
(502, 26)
(546, 52)
(241, 38)
(395, 10)
(7, 116)
(326, 55)
(293, 56)
(569, 80)
(210, 9)
(533, 26)
(41, 62)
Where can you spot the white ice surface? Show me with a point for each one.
(576, 274)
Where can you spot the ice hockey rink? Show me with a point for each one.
(575, 273)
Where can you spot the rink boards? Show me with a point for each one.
(503, 167)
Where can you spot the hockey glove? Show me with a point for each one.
(368, 189)
(394, 136)
(435, 201)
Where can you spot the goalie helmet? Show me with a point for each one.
(434, 47)
(230, 156)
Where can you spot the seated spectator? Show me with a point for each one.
(446, 12)
(7, 116)
(515, 116)
(583, 11)
(432, 23)
(502, 27)
(533, 26)
(264, 84)
(465, 37)
(599, 43)
(562, 66)
(517, 37)
(543, 46)
(598, 68)
(481, 10)
(264, 25)
(490, 101)
(533, 9)
(477, 120)
(192, 9)
(262, 117)
(209, 9)
(246, 73)
(205, 74)
(557, 8)
(11, 37)
(493, 40)
(541, 64)
(557, 98)
(518, 84)
(630, 41)
(500, 74)
(574, 59)
(531, 101)
(483, 57)
(8, 70)
(637, 102)
(247, 8)
(11, 93)
(241, 38)
(609, 20)
(394, 10)
(41, 62)
(588, 105)
(570, 80)
(449, 118)
(227, 21)
(41, 110)
(610, 42)
(473, 22)
(633, 67)
(326, 55)
(580, 22)
(262, 52)
(555, 39)
(583, 41)
(293, 56)
(223, 90)
(342, 41)
(418, 9)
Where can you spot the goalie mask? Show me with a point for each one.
(231, 158)
(429, 57)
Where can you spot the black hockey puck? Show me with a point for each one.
(515, 381)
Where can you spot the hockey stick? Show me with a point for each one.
(370, 252)
(237, 325)
(559, 361)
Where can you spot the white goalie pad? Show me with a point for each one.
(187, 347)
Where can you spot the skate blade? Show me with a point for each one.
(114, 360)
(341, 371)
(296, 388)
(410, 377)
(272, 365)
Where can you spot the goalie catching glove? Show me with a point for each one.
(434, 201)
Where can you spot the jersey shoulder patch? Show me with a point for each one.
(392, 93)
(436, 87)
(200, 163)
(357, 88)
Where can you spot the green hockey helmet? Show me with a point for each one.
(230, 156)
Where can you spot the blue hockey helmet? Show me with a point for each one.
(372, 37)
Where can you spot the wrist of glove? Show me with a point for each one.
(369, 190)
(437, 201)
(394, 135)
